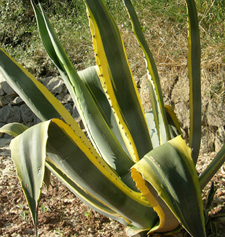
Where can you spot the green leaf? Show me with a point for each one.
(34, 94)
(153, 77)
(152, 129)
(173, 122)
(170, 171)
(194, 72)
(98, 130)
(81, 169)
(173, 125)
(117, 80)
(212, 168)
(13, 129)
(28, 153)
(92, 174)
(91, 80)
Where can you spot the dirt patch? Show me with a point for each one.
(61, 213)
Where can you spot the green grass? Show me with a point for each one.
(163, 22)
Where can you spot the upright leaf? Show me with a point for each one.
(212, 168)
(29, 153)
(154, 83)
(117, 80)
(194, 71)
(99, 132)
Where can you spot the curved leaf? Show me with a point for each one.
(92, 174)
(169, 169)
(34, 94)
(13, 129)
(81, 169)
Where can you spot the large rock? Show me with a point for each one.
(215, 114)
(9, 114)
(54, 84)
(27, 115)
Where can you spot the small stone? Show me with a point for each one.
(7, 89)
(1, 90)
(6, 99)
(17, 101)
(215, 114)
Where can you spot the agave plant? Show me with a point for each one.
(133, 167)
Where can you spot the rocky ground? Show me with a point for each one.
(62, 214)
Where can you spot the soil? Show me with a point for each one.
(61, 213)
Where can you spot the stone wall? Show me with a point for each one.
(176, 94)
(13, 109)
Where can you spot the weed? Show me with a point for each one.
(43, 208)
(23, 212)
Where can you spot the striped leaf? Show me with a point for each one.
(117, 80)
(82, 170)
(98, 130)
(13, 129)
(194, 71)
(153, 77)
(28, 154)
(170, 171)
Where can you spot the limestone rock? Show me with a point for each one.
(215, 114)
(207, 141)
(180, 93)
(144, 93)
(55, 84)
(182, 113)
(219, 138)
